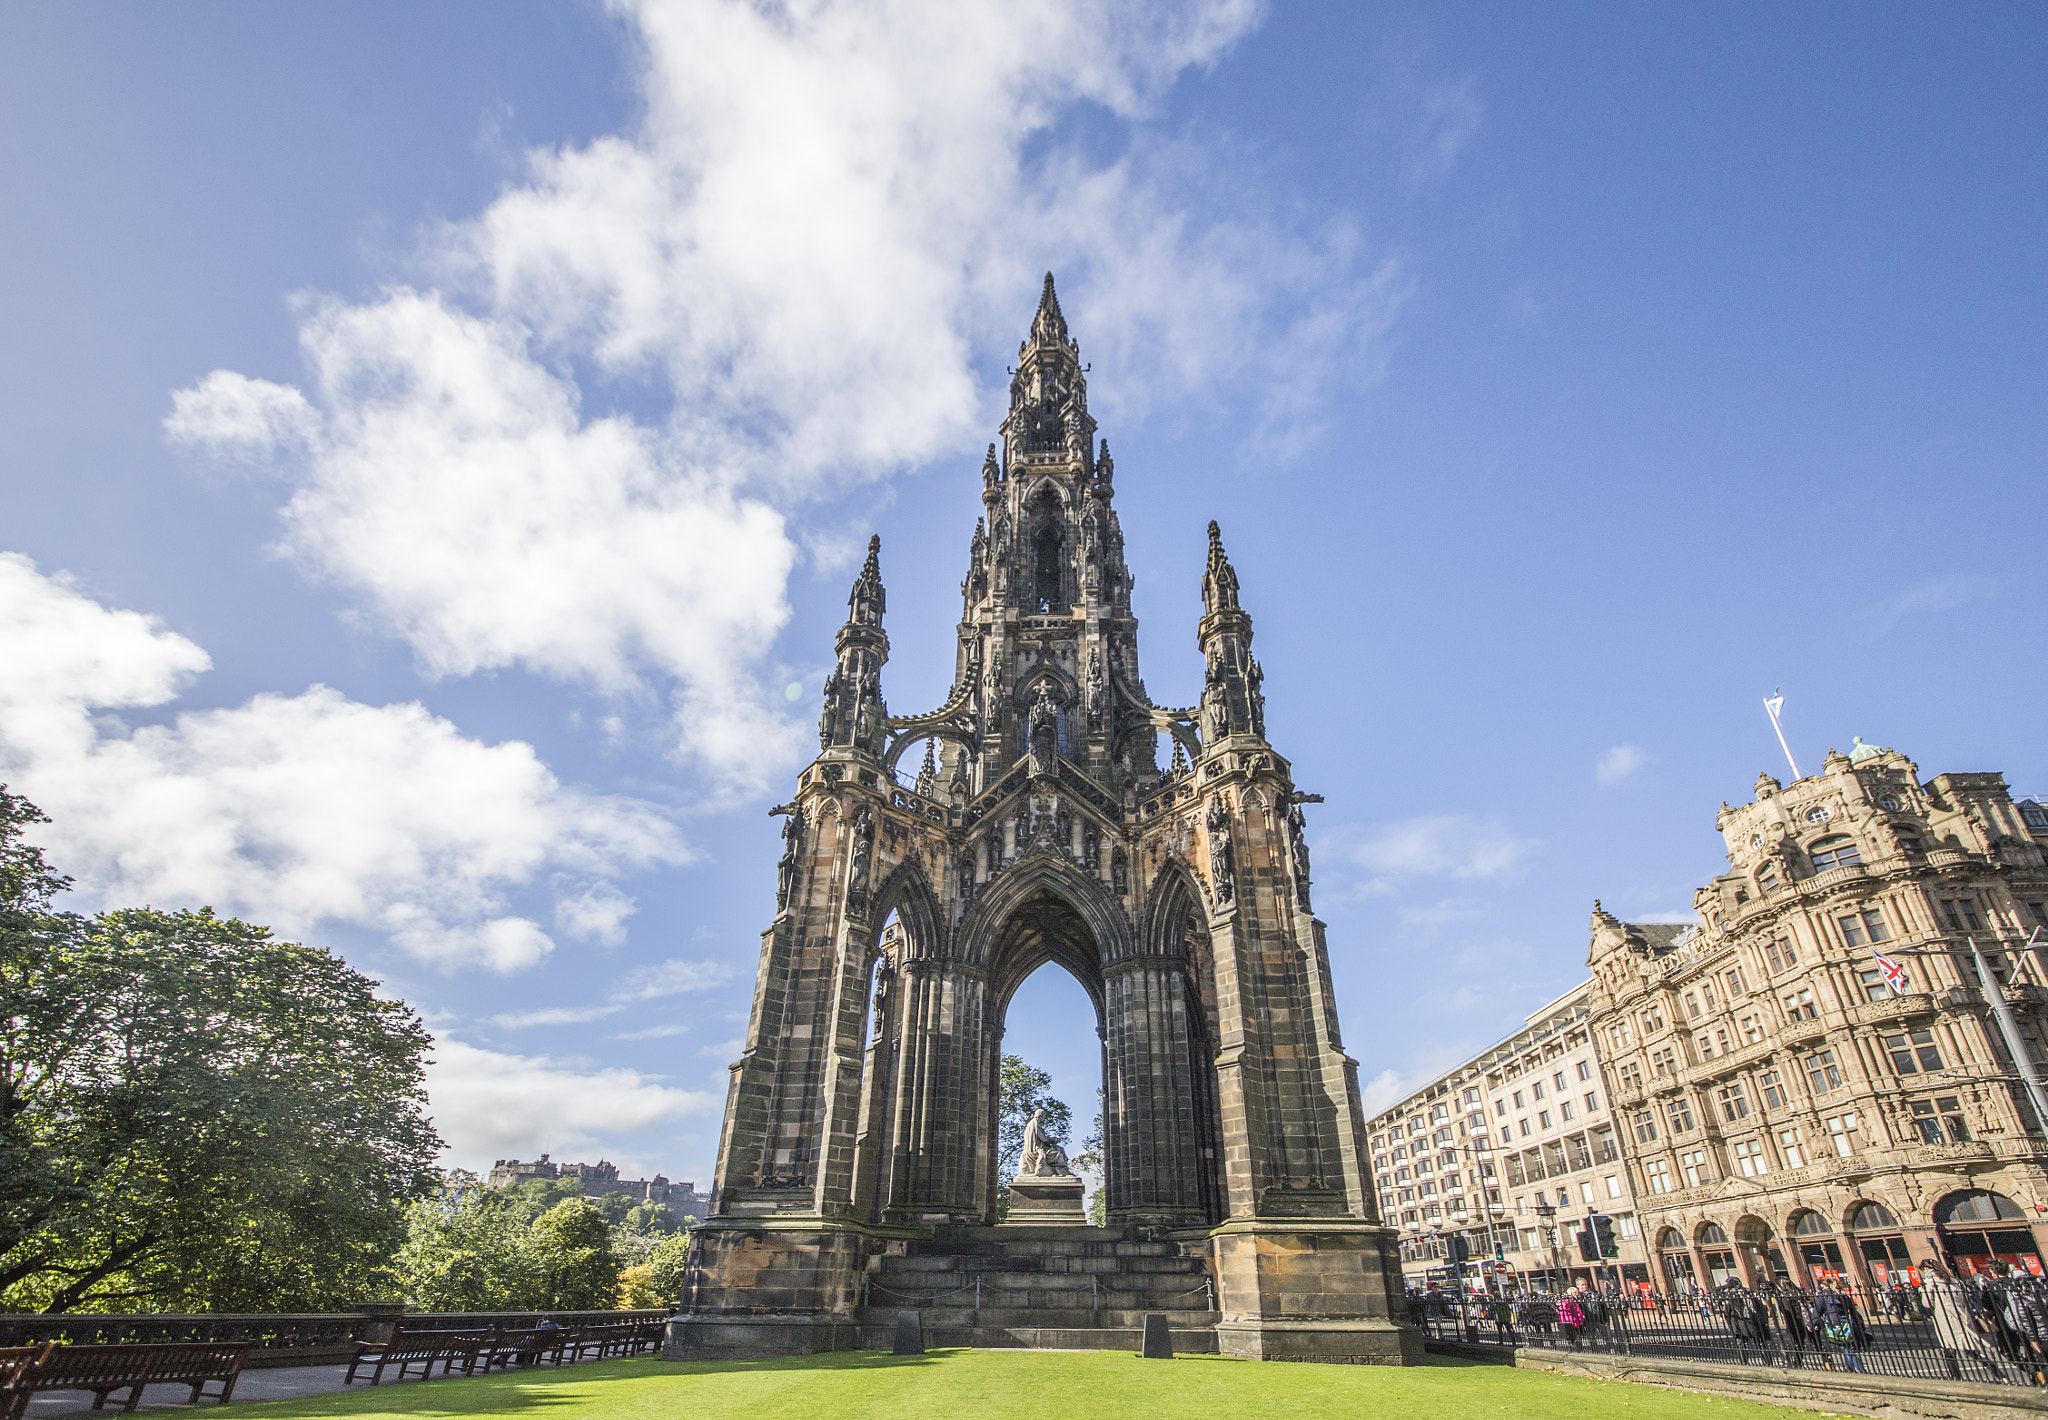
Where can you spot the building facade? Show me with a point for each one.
(600, 1180)
(1811, 1080)
(1514, 1148)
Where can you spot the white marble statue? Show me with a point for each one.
(1042, 1157)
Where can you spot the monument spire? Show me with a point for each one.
(855, 716)
(1233, 697)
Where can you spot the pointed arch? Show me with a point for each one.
(908, 893)
(1056, 876)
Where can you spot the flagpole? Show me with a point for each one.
(1771, 704)
(2007, 1027)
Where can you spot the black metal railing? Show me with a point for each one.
(1972, 1330)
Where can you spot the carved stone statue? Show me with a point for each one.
(788, 871)
(1044, 722)
(1222, 858)
(1042, 1157)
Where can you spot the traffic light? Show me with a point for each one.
(1601, 1226)
(1589, 1246)
(1458, 1247)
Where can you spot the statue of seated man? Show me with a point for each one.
(1042, 1156)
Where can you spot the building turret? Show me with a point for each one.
(1233, 698)
(855, 716)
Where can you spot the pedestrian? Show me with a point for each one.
(1571, 1318)
(1960, 1326)
(1835, 1318)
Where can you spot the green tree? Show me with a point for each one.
(573, 1247)
(665, 1268)
(469, 1248)
(192, 1115)
(1024, 1091)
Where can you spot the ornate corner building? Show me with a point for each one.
(861, 1120)
(1815, 1079)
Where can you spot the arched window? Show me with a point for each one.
(1976, 1206)
(1838, 851)
(1713, 1234)
(1810, 1225)
(1869, 1217)
(1670, 1240)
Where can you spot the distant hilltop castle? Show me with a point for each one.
(602, 1178)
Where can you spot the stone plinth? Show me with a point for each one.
(1041, 1199)
(1321, 1289)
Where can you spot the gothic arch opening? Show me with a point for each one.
(1053, 1023)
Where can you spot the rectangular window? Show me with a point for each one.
(1553, 1158)
(1605, 1149)
(1581, 1154)
(1707, 993)
(1852, 930)
(1525, 1127)
(1940, 1121)
(1664, 1062)
(1658, 1175)
(1585, 1070)
(1774, 957)
(1694, 1166)
(1646, 1126)
(1692, 1005)
(1500, 1107)
(1631, 1075)
(1799, 1006)
(1536, 1088)
(1592, 1102)
(1752, 1029)
(1543, 1118)
(1564, 1110)
(1403, 1176)
(1913, 1052)
(1427, 1189)
(1613, 1182)
(1653, 1019)
(1822, 1073)
(1721, 1040)
(1516, 1178)
(1750, 1158)
(1732, 978)
(1679, 1111)
(1842, 1132)
(1706, 1047)
(1790, 1148)
(1734, 1103)
(1518, 1099)
(1773, 1092)
(1875, 987)
(1873, 923)
(1557, 1081)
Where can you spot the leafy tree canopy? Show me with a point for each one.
(193, 1115)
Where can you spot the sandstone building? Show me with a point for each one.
(856, 1167)
(1514, 1148)
(1789, 1112)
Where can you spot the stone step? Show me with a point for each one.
(1193, 1339)
(1077, 1270)
(1040, 1284)
(1070, 1317)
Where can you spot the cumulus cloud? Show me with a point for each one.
(1619, 763)
(574, 440)
(489, 1104)
(292, 810)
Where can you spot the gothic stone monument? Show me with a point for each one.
(861, 1119)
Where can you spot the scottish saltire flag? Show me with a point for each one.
(1893, 972)
(1776, 704)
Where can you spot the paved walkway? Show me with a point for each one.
(281, 1383)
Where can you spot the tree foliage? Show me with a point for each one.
(1025, 1090)
(192, 1115)
(540, 1246)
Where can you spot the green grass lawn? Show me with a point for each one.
(1018, 1385)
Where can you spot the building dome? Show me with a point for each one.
(1859, 751)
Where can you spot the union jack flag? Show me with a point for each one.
(1893, 972)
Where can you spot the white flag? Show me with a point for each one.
(1774, 705)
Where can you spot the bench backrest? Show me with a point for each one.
(198, 1361)
(16, 1359)
(94, 1363)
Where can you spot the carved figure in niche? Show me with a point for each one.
(966, 870)
(885, 977)
(1044, 722)
(1297, 844)
(1063, 829)
(1042, 1157)
(863, 851)
(1222, 857)
(788, 872)
(1091, 848)
(828, 715)
(1256, 678)
(1119, 874)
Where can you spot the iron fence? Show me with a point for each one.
(1993, 1330)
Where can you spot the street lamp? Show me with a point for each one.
(1547, 1213)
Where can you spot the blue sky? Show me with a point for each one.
(436, 438)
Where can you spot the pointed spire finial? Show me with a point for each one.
(867, 601)
(1049, 325)
(1219, 582)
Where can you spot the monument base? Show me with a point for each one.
(1042, 1199)
(1312, 1289)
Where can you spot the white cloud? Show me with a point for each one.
(292, 810)
(1619, 763)
(488, 1104)
(1940, 594)
(1382, 1091)
(1440, 845)
(660, 1032)
(786, 270)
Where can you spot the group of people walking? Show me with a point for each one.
(1967, 1328)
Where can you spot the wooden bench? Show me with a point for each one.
(522, 1344)
(106, 1369)
(15, 1363)
(404, 1351)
